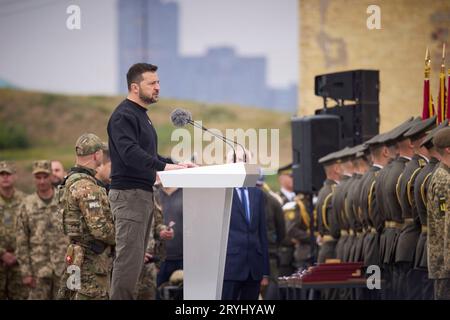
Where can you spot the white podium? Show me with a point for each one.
(207, 198)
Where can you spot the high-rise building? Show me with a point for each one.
(148, 32)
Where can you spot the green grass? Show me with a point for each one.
(53, 122)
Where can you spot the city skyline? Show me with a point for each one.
(42, 45)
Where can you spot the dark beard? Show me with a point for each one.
(146, 99)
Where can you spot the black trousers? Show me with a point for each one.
(241, 290)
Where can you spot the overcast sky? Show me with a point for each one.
(38, 51)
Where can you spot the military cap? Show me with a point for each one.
(8, 167)
(287, 169)
(421, 128)
(329, 158)
(442, 138)
(428, 140)
(397, 133)
(377, 140)
(360, 150)
(42, 166)
(87, 144)
(105, 146)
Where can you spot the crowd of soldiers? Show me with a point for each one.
(58, 243)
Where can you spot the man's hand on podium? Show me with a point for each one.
(188, 164)
(170, 166)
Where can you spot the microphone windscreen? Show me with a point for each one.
(180, 117)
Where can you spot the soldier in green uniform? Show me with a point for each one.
(360, 163)
(41, 245)
(327, 243)
(438, 208)
(298, 236)
(407, 281)
(11, 286)
(286, 193)
(387, 196)
(87, 221)
(339, 226)
(368, 209)
(424, 284)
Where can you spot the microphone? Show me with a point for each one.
(181, 117)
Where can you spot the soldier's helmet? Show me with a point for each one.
(42, 166)
(88, 143)
(8, 167)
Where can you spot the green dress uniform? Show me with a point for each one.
(409, 234)
(323, 209)
(338, 222)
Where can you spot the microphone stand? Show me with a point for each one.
(227, 141)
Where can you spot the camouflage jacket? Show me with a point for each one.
(86, 214)
(438, 209)
(8, 215)
(41, 246)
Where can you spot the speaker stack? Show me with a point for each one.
(353, 119)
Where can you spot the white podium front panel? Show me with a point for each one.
(206, 221)
(207, 198)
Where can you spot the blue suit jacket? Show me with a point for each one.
(247, 250)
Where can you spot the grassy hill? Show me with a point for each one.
(51, 124)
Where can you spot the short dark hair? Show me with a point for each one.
(134, 74)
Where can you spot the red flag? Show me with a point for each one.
(428, 107)
(441, 109)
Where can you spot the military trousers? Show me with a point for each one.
(132, 213)
(46, 288)
(11, 286)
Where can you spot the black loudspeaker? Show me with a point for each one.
(359, 122)
(312, 138)
(361, 86)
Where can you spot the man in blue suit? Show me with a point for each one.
(247, 262)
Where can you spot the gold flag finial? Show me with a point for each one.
(443, 57)
(427, 64)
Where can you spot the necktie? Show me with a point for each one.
(245, 204)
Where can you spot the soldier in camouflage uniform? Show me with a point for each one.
(40, 243)
(87, 221)
(424, 284)
(438, 208)
(11, 286)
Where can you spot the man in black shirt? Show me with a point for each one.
(133, 145)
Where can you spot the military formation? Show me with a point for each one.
(385, 203)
